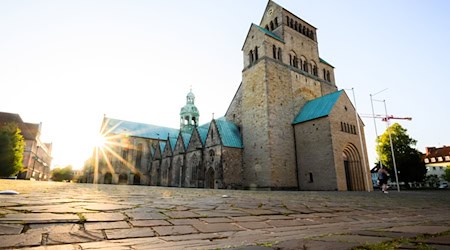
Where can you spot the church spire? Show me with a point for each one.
(189, 114)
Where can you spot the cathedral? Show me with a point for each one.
(288, 126)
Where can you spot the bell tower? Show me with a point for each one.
(189, 114)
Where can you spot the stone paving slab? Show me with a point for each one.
(149, 223)
(113, 234)
(10, 229)
(140, 217)
(39, 218)
(106, 225)
(419, 229)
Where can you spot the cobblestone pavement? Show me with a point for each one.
(49, 215)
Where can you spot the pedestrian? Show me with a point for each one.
(383, 178)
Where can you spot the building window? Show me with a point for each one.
(274, 51)
(276, 22)
(256, 53)
(440, 158)
(250, 57)
(271, 26)
(311, 179)
(433, 159)
(279, 54)
(305, 66)
(447, 158)
(426, 160)
(287, 20)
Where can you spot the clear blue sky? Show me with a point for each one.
(66, 63)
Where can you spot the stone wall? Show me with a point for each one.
(344, 112)
(315, 155)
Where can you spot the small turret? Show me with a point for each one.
(189, 114)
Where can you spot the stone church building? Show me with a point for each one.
(288, 126)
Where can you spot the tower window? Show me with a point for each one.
(271, 26)
(287, 20)
(276, 22)
(279, 54)
(274, 50)
(250, 57)
(256, 53)
(305, 66)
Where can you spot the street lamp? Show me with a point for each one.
(390, 141)
(35, 158)
(361, 142)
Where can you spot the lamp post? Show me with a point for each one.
(374, 122)
(392, 146)
(366, 179)
(35, 158)
(390, 141)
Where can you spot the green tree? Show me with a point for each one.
(410, 166)
(447, 174)
(12, 145)
(62, 174)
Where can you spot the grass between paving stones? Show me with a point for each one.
(82, 218)
(397, 243)
(266, 244)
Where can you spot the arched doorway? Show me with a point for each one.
(209, 180)
(137, 179)
(107, 179)
(123, 179)
(353, 169)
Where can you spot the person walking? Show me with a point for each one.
(383, 178)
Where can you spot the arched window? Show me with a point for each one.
(291, 24)
(271, 26)
(295, 62)
(305, 66)
(314, 68)
(287, 20)
(139, 155)
(276, 22)
(324, 74)
(274, 51)
(250, 57)
(279, 54)
(328, 76)
(290, 59)
(299, 27)
(296, 25)
(266, 27)
(304, 30)
(256, 53)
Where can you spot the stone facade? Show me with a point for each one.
(273, 135)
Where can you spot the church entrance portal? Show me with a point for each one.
(123, 179)
(108, 178)
(210, 178)
(137, 179)
(353, 169)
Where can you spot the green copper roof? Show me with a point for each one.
(317, 108)
(203, 131)
(162, 145)
(186, 138)
(173, 142)
(269, 33)
(323, 61)
(115, 126)
(229, 133)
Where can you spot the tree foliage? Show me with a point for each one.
(410, 166)
(62, 174)
(12, 146)
(447, 174)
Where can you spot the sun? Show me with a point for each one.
(99, 141)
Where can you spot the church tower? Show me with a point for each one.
(282, 71)
(189, 114)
